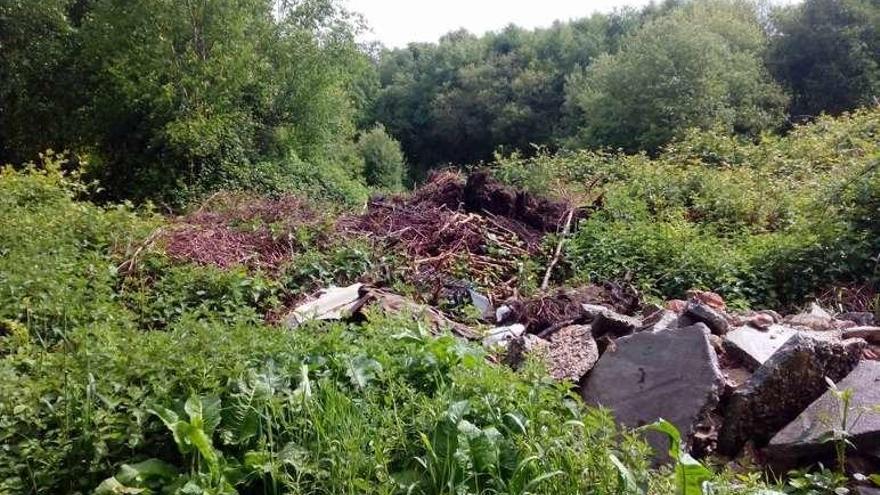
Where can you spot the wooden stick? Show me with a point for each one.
(558, 253)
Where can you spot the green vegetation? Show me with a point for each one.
(697, 67)
(767, 223)
(728, 147)
(170, 100)
(629, 79)
(384, 165)
(123, 372)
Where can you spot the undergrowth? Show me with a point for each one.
(166, 379)
(772, 223)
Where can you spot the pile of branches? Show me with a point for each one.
(455, 229)
(231, 230)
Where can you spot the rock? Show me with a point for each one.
(816, 319)
(805, 438)
(502, 313)
(710, 299)
(871, 334)
(592, 311)
(482, 304)
(659, 321)
(572, 353)
(676, 306)
(867, 490)
(754, 347)
(698, 312)
(783, 387)
(501, 336)
(777, 318)
(761, 321)
(610, 323)
(672, 374)
(860, 318)
(331, 304)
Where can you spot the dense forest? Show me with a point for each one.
(495, 220)
(172, 100)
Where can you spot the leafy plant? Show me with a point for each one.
(690, 474)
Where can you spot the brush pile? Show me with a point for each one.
(455, 229)
(237, 230)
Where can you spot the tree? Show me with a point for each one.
(698, 66)
(827, 52)
(384, 165)
(167, 99)
(39, 90)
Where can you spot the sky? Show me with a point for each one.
(398, 22)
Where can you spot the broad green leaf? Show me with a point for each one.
(689, 473)
(150, 469)
(362, 370)
(626, 480)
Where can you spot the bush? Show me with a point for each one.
(384, 165)
(771, 222)
(58, 256)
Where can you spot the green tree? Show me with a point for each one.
(384, 164)
(827, 52)
(39, 91)
(170, 99)
(698, 66)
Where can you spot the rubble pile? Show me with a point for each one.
(734, 383)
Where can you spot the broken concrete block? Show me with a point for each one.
(698, 312)
(502, 335)
(659, 321)
(754, 347)
(615, 324)
(672, 375)
(783, 387)
(572, 353)
(333, 303)
(815, 319)
(805, 438)
(871, 334)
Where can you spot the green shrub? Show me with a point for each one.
(384, 165)
(771, 222)
(58, 256)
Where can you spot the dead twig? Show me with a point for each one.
(546, 282)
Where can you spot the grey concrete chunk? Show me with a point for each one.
(659, 321)
(803, 440)
(816, 319)
(672, 375)
(871, 334)
(754, 347)
(572, 353)
(712, 318)
(783, 387)
(611, 323)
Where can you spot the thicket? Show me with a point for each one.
(172, 100)
(631, 79)
(768, 222)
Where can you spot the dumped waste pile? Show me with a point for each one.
(749, 386)
(471, 228)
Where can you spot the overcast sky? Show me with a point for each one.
(398, 22)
